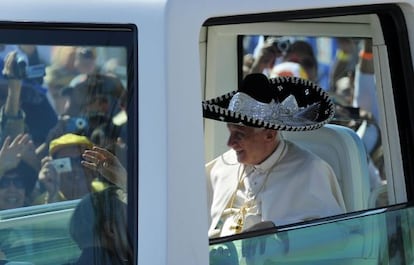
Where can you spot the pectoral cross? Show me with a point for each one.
(239, 220)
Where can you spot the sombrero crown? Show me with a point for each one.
(280, 103)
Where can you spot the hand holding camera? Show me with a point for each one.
(16, 67)
(49, 177)
(10, 73)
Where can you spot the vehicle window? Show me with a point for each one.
(65, 96)
(386, 236)
(358, 61)
(342, 66)
(343, 69)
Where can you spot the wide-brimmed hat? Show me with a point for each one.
(281, 103)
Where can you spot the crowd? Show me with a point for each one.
(351, 83)
(63, 134)
(54, 107)
(62, 137)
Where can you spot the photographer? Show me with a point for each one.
(12, 118)
(271, 51)
(62, 176)
(25, 107)
(94, 100)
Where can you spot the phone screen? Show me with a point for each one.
(62, 165)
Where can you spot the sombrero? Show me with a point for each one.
(283, 103)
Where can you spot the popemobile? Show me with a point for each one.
(114, 115)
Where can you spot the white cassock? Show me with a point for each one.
(292, 185)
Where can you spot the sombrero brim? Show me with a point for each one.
(317, 107)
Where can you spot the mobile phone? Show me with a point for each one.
(62, 165)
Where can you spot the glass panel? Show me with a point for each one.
(344, 67)
(65, 96)
(381, 237)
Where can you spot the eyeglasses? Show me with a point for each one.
(6, 182)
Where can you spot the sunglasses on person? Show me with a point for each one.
(6, 182)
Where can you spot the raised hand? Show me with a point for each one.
(11, 151)
(107, 164)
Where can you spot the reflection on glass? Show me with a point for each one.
(382, 238)
(57, 102)
(98, 226)
(63, 134)
(341, 66)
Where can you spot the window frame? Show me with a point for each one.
(88, 34)
(400, 66)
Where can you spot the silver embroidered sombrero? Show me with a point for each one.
(280, 103)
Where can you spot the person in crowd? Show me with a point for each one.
(26, 108)
(20, 148)
(359, 77)
(289, 69)
(277, 50)
(269, 52)
(114, 67)
(344, 63)
(17, 176)
(12, 117)
(85, 60)
(365, 95)
(17, 180)
(302, 53)
(63, 57)
(93, 101)
(55, 80)
(347, 72)
(99, 227)
(264, 178)
(62, 177)
(16, 185)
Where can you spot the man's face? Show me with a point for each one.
(12, 192)
(251, 145)
(76, 183)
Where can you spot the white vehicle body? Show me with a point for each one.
(186, 53)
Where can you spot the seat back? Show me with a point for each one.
(344, 151)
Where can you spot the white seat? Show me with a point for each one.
(344, 151)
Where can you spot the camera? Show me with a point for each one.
(62, 165)
(25, 71)
(76, 124)
(282, 44)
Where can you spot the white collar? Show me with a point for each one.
(272, 159)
